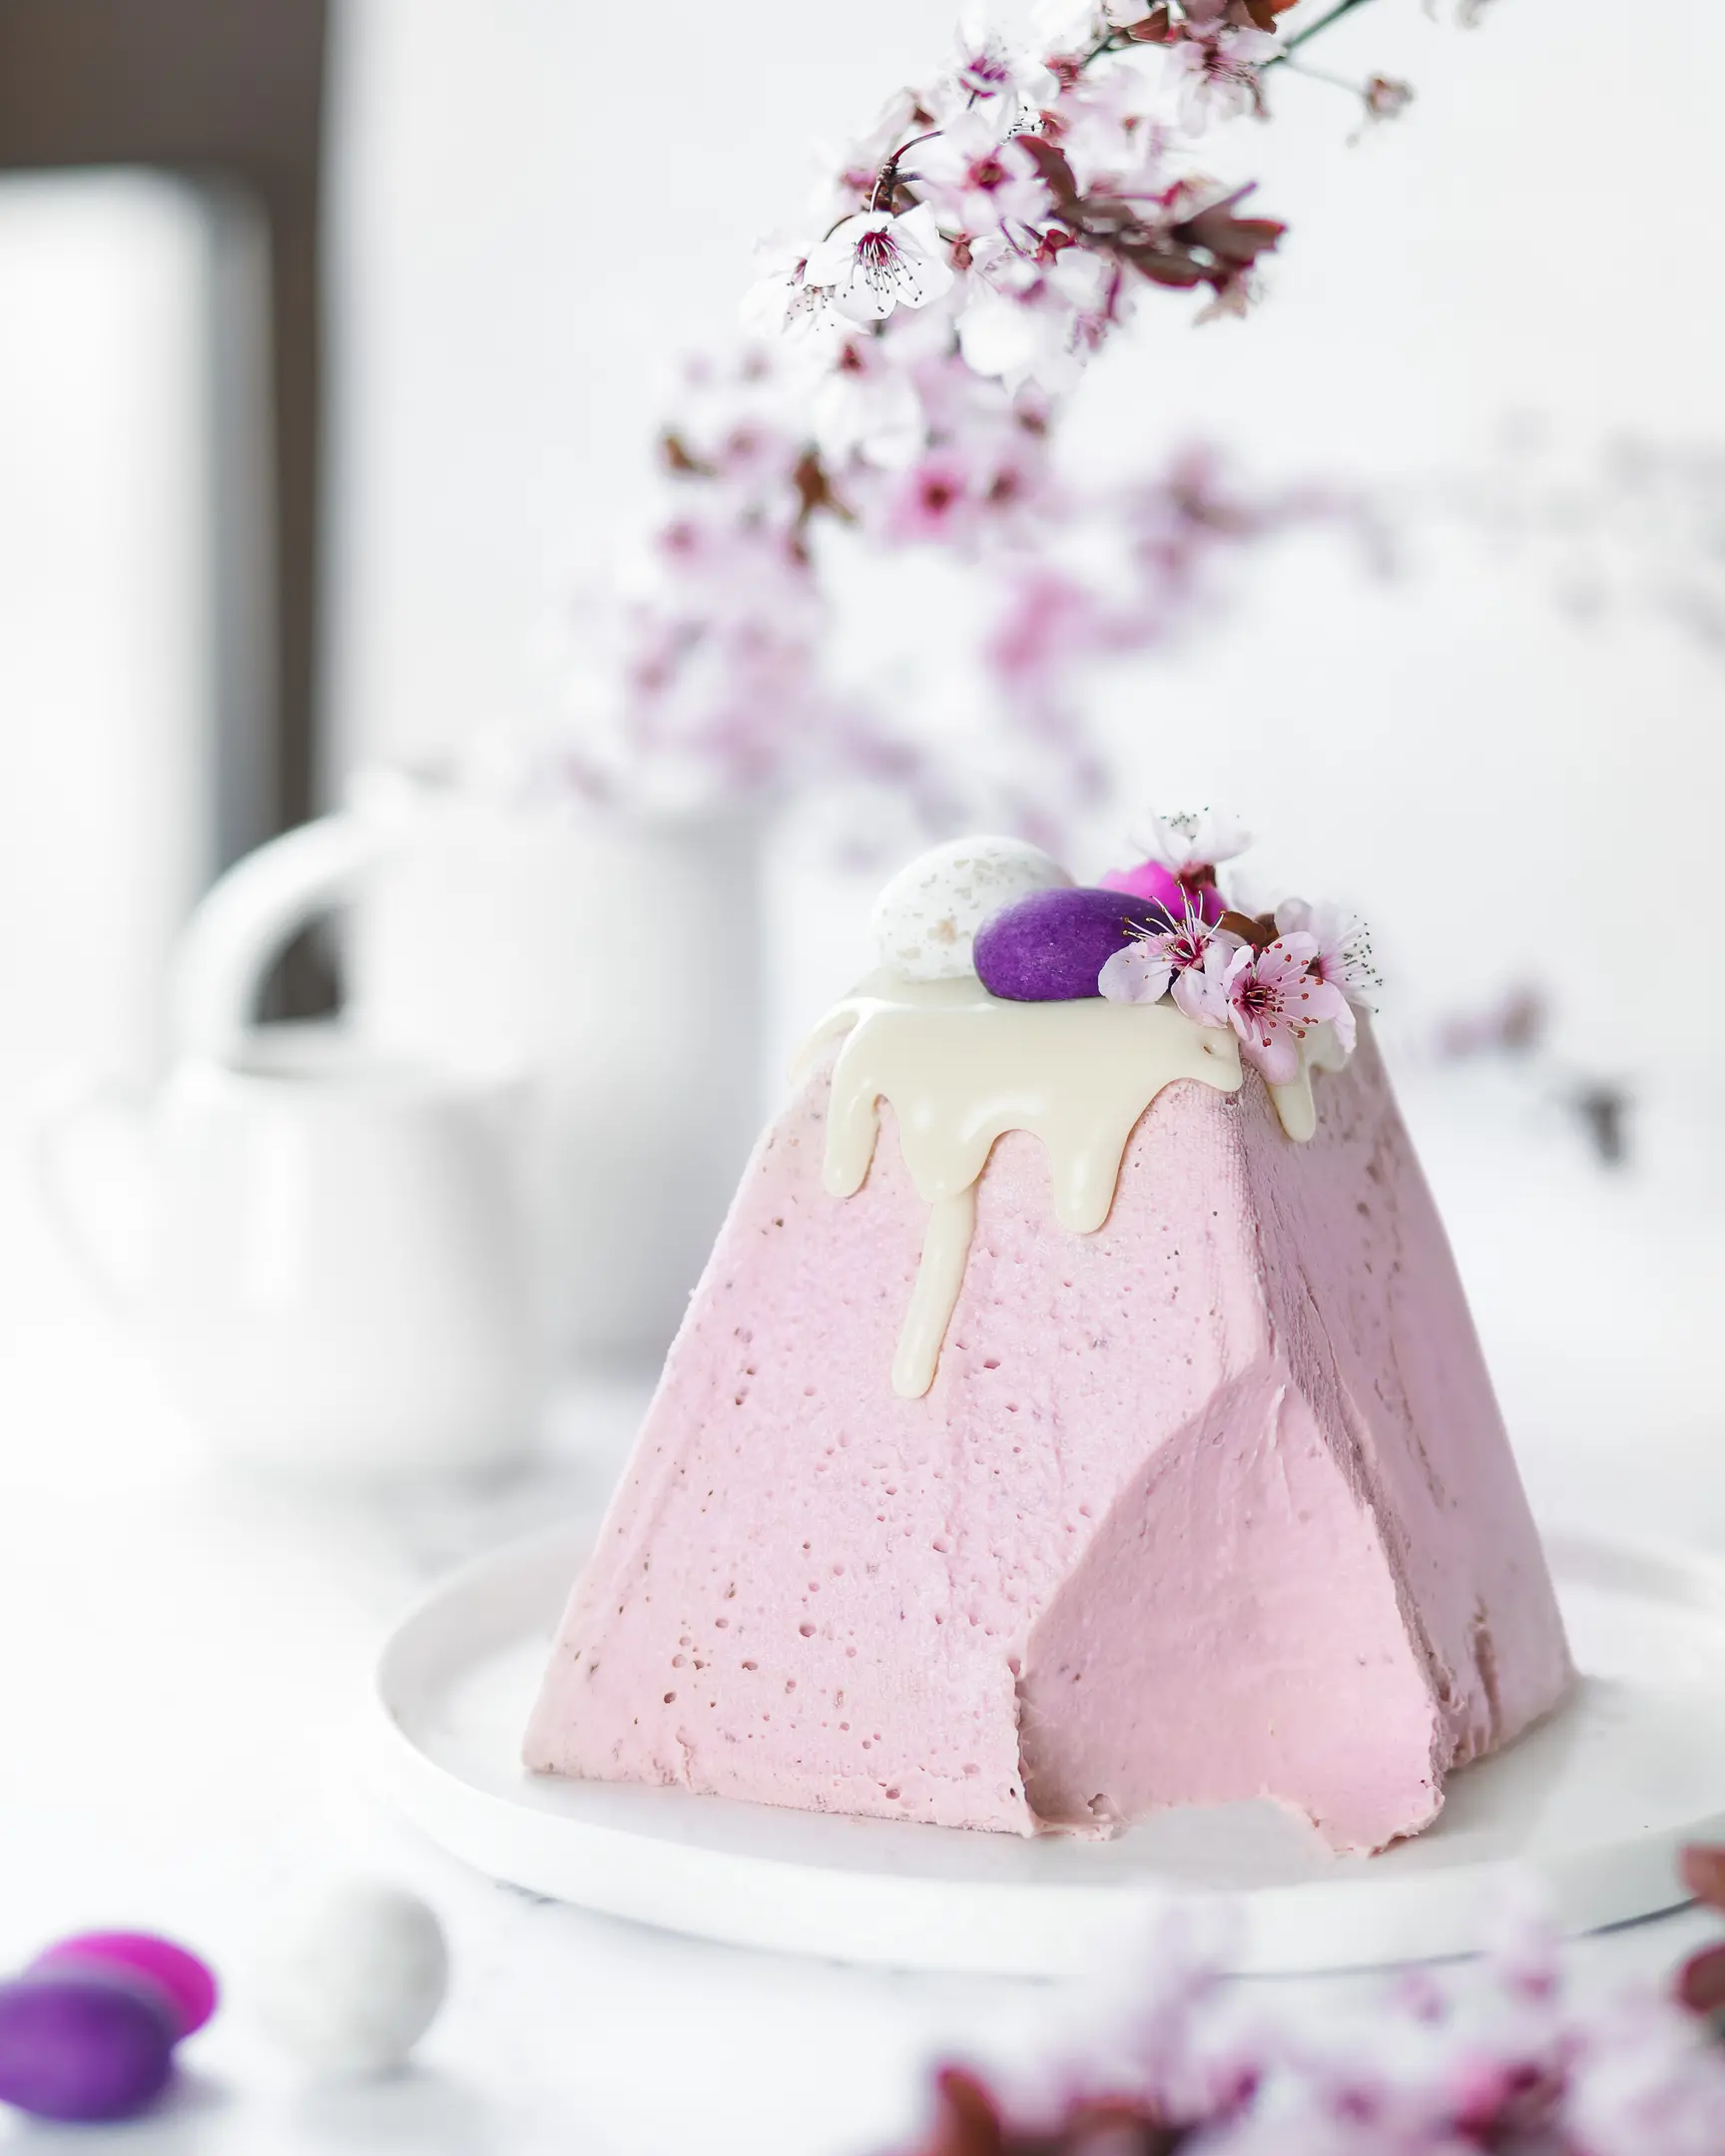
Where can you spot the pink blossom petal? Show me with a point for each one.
(1288, 959)
(1277, 1058)
(1137, 974)
(1199, 995)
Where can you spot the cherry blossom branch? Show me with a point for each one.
(1507, 2054)
(1317, 29)
(901, 386)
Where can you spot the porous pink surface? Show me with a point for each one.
(1211, 1504)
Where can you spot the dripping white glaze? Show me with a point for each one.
(960, 1067)
(1296, 1109)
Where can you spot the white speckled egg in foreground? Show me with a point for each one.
(927, 919)
(355, 1981)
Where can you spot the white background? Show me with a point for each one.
(104, 765)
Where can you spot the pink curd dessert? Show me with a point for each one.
(1080, 1413)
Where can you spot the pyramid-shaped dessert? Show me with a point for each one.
(1080, 1413)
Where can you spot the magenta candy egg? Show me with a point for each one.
(186, 1985)
(75, 2043)
(1049, 948)
(1151, 880)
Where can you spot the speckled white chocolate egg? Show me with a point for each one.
(927, 919)
(354, 1981)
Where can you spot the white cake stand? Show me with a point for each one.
(1594, 1804)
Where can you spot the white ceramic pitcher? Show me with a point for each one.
(333, 1273)
(615, 960)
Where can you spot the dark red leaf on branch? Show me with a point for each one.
(1703, 1870)
(1157, 28)
(679, 459)
(1257, 930)
(1228, 238)
(1102, 216)
(815, 490)
(1701, 1981)
(965, 2120)
(969, 2122)
(1178, 271)
(1052, 169)
(1170, 266)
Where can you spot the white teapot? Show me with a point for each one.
(334, 1274)
(614, 960)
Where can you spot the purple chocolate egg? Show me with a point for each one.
(1049, 946)
(78, 2045)
(187, 1986)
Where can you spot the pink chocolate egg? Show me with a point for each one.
(186, 1986)
(1151, 880)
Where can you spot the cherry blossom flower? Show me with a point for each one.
(1159, 959)
(1067, 26)
(1019, 337)
(867, 408)
(993, 78)
(1343, 959)
(732, 437)
(977, 184)
(934, 501)
(1273, 1000)
(1213, 70)
(1343, 942)
(1204, 996)
(1183, 852)
(1036, 318)
(1048, 615)
(855, 166)
(875, 262)
(1193, 844)
(1386, 98)
(1112, 132)
(782, 301)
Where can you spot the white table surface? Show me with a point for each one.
(184, 1655)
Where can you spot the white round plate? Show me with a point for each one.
(1595, 1804)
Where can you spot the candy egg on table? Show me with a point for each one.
(355, 1981)
(185, 1984)
(925, 919)
(1049, 948)
(79, 2043)
(88, 2031)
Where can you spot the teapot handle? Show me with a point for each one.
(248, 917)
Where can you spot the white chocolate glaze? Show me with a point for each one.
(945, 1253)
(1294, 1106)
(960, 1067)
